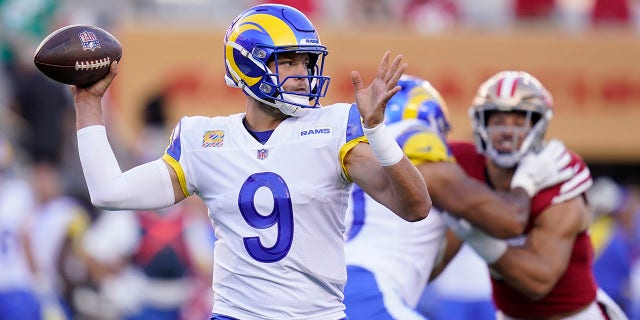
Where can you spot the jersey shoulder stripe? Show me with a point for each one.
(577, 185)
(354, 124)
(354, 134)
(174, 149)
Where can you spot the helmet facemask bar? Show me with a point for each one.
(269, 88)
(532, 134)
(318, 84)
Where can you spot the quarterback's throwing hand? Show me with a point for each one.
(537, 171)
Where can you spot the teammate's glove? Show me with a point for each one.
(537, 171)
(487, 247)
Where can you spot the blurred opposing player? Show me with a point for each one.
(546, 272)
(275, 178)
(389, 259)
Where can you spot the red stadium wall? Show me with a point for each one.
(595, 79)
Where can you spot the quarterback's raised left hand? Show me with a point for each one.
(373, 99)
(537, 171)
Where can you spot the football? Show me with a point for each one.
(77, 54)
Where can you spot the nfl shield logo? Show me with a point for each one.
(89, 40)
(263, 154)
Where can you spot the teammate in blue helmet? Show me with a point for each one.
(389, 260)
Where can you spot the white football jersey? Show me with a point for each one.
(277, 209)
(53, 223)
(16, 209)
(399, 253)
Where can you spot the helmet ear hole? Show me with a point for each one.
(535, 117)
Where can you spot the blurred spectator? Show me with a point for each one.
(58, 224)
(17, 296)
(22, 26)
(152, 265)
(615, 234)
(371, 11)
(431, 16)
(534, 9)
(611, 12)
(493, 15)
(23, 21)
(45, 115)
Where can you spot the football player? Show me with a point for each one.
(545, 273)
(275, 178)
(388, 259)
(18, 297)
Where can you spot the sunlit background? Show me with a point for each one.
(586, 52)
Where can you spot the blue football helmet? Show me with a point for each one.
(418, 100)
(511, 91)
(255, 38)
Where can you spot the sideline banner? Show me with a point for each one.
(594, 79)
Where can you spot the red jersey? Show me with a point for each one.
(577, 286)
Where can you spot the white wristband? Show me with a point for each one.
(383, 145)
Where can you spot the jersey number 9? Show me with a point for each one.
(282, 214)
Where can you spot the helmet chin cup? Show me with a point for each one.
(294, 109)
(505, 161)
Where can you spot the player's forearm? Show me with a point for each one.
(528, 273)
(501, 215)
(504, 215)
(409, 195)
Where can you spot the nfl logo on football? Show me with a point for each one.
(263, 154)
(89, 40)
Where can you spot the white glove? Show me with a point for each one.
(537, 171)
(487, 247)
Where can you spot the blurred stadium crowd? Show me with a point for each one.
(83, 264)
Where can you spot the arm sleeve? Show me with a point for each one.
(145, 187)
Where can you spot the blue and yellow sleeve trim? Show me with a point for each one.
(172, 156)
(354, 135)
